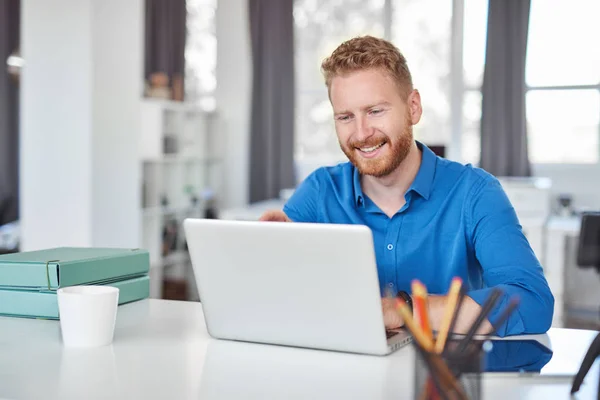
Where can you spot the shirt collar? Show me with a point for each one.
(423, 181)
(359, 199)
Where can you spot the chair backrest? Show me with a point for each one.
(588, 251)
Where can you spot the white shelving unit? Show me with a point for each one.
(181, 166)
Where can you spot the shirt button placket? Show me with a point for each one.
(391, 236)
(393, 241)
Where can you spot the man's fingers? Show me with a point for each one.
(274, 216)
(392, 319)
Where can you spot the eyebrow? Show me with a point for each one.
(381, 103)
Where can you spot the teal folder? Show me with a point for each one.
(44, 304)
(67, 266)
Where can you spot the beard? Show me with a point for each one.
(385, 164)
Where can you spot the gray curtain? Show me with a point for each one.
(9, 113)
(272, 125)
(165, 37)
(503, 119)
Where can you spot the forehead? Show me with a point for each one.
(358, 89)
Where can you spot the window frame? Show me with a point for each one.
(458, 88)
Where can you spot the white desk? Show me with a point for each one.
(558, 230)
(162, 351)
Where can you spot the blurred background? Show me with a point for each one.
(120, 118)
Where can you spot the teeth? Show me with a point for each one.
(370, 149)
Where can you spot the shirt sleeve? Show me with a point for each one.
(508, 262)
(302, 205)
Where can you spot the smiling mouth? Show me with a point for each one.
(371, 149)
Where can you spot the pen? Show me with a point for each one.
(425, 341)
(453, 297)
(420, 301)
(461, 297)
(513, 303)
(485, 310)
(433, 374)
(591, 355)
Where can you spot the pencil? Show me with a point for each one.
(461, 297)
(485, 310)
(433, 377)
(453, 294)
(586, 364)
(420, 299)
(514, 302)
(448, 378)
(439, 371)
(425, 341)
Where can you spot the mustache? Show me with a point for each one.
(370, 142)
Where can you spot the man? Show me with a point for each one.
(432, 219)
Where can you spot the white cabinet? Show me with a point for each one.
(181, 152)
(532, 200)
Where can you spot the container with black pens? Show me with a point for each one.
(444, 368)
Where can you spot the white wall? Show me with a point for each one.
(56, 129)
(79, 113)
(117, 43)
(582, 181)
(233, 95)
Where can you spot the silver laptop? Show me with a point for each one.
(292, 284)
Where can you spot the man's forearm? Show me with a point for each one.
(467, 315)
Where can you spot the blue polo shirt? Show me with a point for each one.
(457, 221)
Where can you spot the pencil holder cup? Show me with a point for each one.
(449, 375)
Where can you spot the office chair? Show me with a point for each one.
(588, 252)
(588, 256)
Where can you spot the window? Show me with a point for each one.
(423, 37)
(563, 79)
(563, 125)
(562, 76)
(321, 25)
(201, 53)
(562, 72)
(474, 42)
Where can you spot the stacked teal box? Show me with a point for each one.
(29, 280)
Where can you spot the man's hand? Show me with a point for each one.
(391, 317)
(467, 315)
(275, 216)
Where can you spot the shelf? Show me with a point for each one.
(172, 105)
(177, 159)
(191, 170)
(176, 257)
(162, 211)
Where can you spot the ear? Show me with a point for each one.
(414, 106)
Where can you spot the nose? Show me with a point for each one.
(363, 128)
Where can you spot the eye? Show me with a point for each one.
(376, 111)
(343, 118)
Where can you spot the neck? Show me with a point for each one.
(395, 185)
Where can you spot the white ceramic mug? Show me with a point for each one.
(87, 315)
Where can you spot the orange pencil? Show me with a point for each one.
(443, 332)
(425, 341)
(420, 302)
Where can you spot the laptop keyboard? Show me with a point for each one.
(390, 334)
